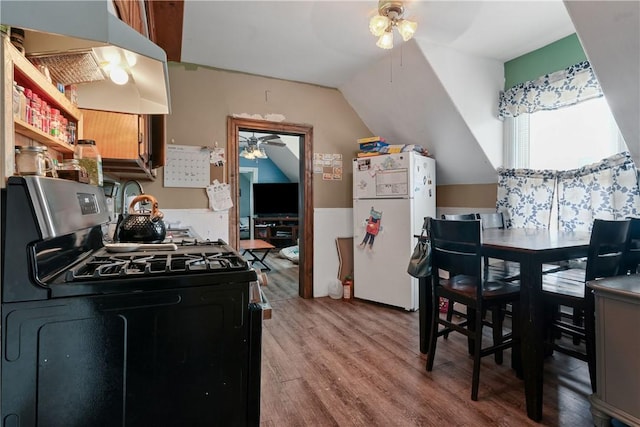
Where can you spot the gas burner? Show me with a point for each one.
(192, 262)
(196, 242)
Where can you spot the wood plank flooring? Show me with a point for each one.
(329, 362)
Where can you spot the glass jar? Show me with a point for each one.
(32, 160)
(17, 38)
(52, 168)
(71, 132)
(89, 158)
(70, 169)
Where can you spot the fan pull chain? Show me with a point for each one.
(391, 63)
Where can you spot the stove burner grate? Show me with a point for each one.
(121, 266)
(196, 242)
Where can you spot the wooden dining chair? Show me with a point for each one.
(450, 306)
(459, 217)
(458, 276)
(568, 288)
(631, 257)
(497, 269)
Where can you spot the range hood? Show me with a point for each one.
(55, 29)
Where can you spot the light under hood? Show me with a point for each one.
(61, 27)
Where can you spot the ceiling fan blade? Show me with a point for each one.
(272, 139)
(275, 143)
(269, 137)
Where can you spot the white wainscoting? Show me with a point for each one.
(212, 225)
(328, 224)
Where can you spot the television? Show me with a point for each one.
(275, 199)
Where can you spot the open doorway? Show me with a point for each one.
(247, 177)
(305, 232)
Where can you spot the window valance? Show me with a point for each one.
(552, 91)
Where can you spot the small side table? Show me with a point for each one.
(262, 248)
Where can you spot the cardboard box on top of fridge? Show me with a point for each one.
(371, 146)
(370, 139)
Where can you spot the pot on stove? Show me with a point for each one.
(142, 227)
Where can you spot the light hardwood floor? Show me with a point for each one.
(329, 362)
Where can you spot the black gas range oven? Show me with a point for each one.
(144, 338)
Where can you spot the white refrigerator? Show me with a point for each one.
(392, 194)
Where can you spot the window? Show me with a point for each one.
(562, 139)
(560, 125)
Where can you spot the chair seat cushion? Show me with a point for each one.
(466, 285)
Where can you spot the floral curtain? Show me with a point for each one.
(552, 91)
(606, 190)
(525, 197)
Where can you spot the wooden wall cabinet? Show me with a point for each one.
(131, 145)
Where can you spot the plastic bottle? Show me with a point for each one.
(347, 288)
(89, 158)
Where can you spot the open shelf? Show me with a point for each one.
(279, 231)
(36, 134)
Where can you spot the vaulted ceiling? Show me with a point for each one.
(432, 100)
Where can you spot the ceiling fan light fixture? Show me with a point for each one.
(390, 15)
(386, 40)
(260, 154)
(253, 150)
(247, 154)
(378, 25)
(407, 29)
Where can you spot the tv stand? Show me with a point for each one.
(280, 231)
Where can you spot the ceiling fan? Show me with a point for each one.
(254, 141)
(252, 147)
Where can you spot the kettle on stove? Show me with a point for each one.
(140, 226)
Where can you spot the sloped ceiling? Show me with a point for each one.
(403, 99)
(440, 89)
(610, 34)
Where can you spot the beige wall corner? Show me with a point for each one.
(467, 195)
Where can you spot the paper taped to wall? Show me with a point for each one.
(219, 196)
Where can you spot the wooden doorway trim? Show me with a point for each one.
(305, 132)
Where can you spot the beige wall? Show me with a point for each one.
(202, 98)
(467, 196)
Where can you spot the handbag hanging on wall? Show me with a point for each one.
(420, 262)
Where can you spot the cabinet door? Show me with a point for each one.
(157, 136)
(132, 13)
(116, 134)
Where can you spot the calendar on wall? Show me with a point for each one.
(187, 166)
